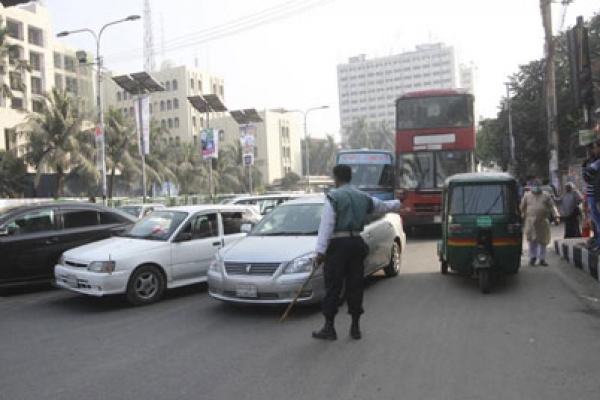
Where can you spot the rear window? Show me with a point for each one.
(483, 199)
(80, 218)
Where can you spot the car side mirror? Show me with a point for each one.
(246, 228)
(184, 237)
(4, 232)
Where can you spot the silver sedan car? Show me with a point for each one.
(270, 264)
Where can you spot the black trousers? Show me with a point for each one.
(572, 229)
(344, 263)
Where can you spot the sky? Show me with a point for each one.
(284, 54)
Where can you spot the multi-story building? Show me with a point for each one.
(277, 149)
(170, 107)
(368, 88)
(51, 64)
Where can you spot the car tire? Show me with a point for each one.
(146, 285)
(393, 268)
(484, 277)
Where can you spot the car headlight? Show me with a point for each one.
(61, 260)
(301, 264)
(482, 257)
(217, 265)
(102, 266)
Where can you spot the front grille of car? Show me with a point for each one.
(250, 269)
(75, 264)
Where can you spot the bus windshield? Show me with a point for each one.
(434, 112)
(429, 169)
(370, 170)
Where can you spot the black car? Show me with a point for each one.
(33, 237)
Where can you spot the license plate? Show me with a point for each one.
(437, 219)
(246, 291)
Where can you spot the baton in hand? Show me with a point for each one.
(289, 307)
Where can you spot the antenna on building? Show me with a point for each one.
(162, 40)
(149, 63)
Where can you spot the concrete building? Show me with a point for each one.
(277, 148)
(368, 88)
(52, 64)
(171, 108)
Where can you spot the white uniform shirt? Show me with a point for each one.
(328, 220)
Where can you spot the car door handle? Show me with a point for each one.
(216, 243)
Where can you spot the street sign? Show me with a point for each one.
(586, 136)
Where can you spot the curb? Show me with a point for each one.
(575, 252)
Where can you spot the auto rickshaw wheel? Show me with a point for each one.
(444, 267)
(484, 280)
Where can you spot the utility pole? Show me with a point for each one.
(550, 92)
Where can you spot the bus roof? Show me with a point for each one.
(365, 151)
(434, 93)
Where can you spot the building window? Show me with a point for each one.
(35, 61)
(58, 82)
(200, 85)
(195, 140)
(194, 122)
(168, 86)
(176, 104)
(201, 122)
(169, 105)
(175, 85)
(37, 106)
(69, 63)
(36, 85)
(170, 141)
(170, 123)
(119, 96)
(57, 60)
(163, 124)
(15, 80)
(131, 111)
(15, 53)
(162, 105)
(17, 103)
(15, 29)
(35, 36)
(177, 141)
(176, 122)
(192, 83)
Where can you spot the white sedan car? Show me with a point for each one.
(169, 248)
(270, 264)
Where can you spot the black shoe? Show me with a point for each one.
(543, 263)
(355, 329)
(532, 262)
(327, 332)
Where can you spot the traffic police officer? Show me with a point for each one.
(342, 248)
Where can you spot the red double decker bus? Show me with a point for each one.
(435, 138)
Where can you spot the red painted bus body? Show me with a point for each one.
(435, 138)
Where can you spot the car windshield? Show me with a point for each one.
(159, 225)
(131, 210)
(294, 219)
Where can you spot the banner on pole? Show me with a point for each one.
(144, 135)
(209, 141)
(247, 139)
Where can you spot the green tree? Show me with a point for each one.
(361, 136)
(120, 147)
(13, 175)
(322, 155)
(54, 138)
(290, 180)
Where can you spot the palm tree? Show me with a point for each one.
(55, 140)
(323, 155)
(6, 49)
(119, 147)
(13, 175)
(160, 167)
(190, 170)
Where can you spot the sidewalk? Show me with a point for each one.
(575, 253)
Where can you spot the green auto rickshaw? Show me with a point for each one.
(481, 226)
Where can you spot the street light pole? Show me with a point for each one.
(510, 131)
(102, 134)
(306, 144)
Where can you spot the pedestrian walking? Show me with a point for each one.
(536, 208)
(343, 250)
(568, 208)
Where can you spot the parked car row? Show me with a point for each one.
(244, 257)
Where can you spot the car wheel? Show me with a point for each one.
(393, 267)
(484, 280)
(146, 285)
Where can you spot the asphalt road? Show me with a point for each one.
(425, 336)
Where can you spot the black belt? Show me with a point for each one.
(344, 234)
